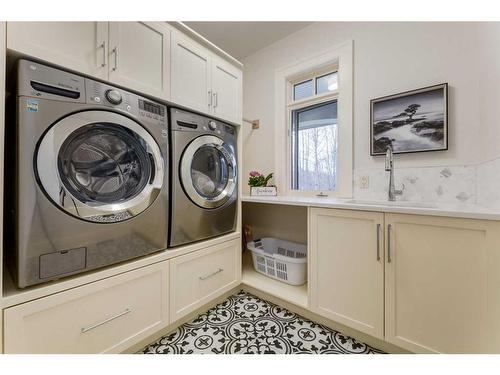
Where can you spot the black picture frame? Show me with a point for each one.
(429, 131)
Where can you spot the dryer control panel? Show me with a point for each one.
(192, 122)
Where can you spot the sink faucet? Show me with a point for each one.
(389, 167)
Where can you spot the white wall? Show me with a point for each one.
(390, 58)
(489, 66)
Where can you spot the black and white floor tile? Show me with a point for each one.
(245, 324)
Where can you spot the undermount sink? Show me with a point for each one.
(392, 203)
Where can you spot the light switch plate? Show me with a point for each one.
(364, 182)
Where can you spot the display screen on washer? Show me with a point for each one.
(209, 171)
(151, 107)
(104, 163)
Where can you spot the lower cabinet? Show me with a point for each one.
(106, 316)
(199, 277)
(442, 284)
(424, 283)
(346, 268)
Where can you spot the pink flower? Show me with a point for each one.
(254, 174)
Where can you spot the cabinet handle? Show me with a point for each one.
(389, 230)
(378, 242)
(209, 98)
(104, 54)
(90, 328)
(115, 52)
(216, 101)
(210, 275)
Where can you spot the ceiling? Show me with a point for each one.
(241, 39)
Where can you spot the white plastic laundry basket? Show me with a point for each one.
(280, 260)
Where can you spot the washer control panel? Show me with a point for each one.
(144, 109)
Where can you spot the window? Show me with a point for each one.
(326, 83)
(316, 86)
(314, 147)
(303, 90)
(313, 124)
(313, 141)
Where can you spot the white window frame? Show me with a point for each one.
(340, 59)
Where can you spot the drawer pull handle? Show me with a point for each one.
(84, 330)
(210, 275)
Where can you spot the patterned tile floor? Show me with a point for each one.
(245, 324)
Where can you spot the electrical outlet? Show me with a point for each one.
(364, 182)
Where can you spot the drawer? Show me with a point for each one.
(106, 316)
(203, 275)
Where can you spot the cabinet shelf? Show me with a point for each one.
(290, 293)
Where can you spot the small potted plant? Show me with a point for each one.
(258, 184)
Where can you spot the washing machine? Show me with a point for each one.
(91, 178)
(204, 177)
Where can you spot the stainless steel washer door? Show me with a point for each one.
(208, 172)
(99, 166)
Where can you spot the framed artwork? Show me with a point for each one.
(411, 121)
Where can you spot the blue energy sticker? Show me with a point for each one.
(32, 106)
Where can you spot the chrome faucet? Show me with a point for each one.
(389, 167)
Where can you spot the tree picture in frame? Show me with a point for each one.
(412, 121)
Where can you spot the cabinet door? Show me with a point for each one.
(199, 277)
(80, 46)
(190, 72)
(443, 284)
(226, 90)
(346, 268)
(139, 57)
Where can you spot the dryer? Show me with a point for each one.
(91, 175)
(204, 177)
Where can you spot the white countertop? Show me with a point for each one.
(469, 211)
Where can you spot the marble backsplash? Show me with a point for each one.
(472, 184)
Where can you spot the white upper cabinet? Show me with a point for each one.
(139, 56)
(346, 268)
(226, 90)
(80, 46)
(190, 68)
(203, 81)
(152, 58)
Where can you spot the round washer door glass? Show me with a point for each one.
(100, 166)
(103, 163)
(208, 172)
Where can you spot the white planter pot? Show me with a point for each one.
(267, 190)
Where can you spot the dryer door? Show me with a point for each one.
(99, 166)
(208, 171)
